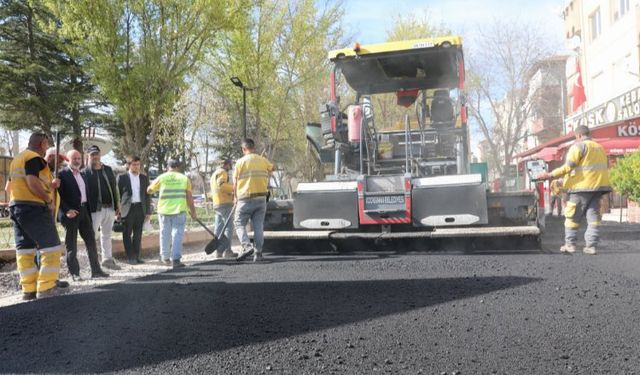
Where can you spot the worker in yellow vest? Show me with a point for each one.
(222, 195)
(32, 208)
(586, 180)
(251, 186)
(556, 195)
(174, 200)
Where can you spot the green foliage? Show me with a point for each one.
(142, 53)
(279, 51)
(42, 85)
(625, 176)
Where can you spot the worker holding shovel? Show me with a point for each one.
(222, 194)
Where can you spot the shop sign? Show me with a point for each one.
(620, 108)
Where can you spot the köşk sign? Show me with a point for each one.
(620, 108)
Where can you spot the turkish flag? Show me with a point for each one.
(577, 90)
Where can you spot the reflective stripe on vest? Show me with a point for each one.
(20, 192)
(173, 193)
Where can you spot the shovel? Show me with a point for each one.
(216, 242)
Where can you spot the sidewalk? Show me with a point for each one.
(192, 254)
(615, 215)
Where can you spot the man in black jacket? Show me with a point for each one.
(74, 216)
(135, 207)
(103, 202)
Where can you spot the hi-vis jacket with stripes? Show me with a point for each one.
(20, 192)
(221, 188)
(586, 168)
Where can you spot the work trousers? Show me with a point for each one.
(80, 224)
(556, 200)
(171, 233)
(579, 205)
(103, 219)
(34, 228)
(221, 213)
(132, 231)
(254, 210)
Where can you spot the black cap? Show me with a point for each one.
(93, 149)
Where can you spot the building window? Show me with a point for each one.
(620, 8)
(595, 24)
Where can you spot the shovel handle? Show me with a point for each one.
(226, 222)
(205, 227)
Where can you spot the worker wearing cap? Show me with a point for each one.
(586, 180)
(251, 185)
(222, 195)
(174, 200)
(103, 203)
(32, 209)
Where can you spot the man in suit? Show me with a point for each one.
(135, 207)
(103, 203)
(75, 217)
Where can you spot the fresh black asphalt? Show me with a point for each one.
(508, 312)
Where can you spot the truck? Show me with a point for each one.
(409, 180)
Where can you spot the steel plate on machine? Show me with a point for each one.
(384, 203)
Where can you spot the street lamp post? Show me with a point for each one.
(238, 83)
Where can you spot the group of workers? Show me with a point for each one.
(90, 200)
(87, 201)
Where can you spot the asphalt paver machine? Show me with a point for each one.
(407, 180)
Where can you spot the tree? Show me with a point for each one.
(497, 85)
(43, 86)
(143, 53)
(280, 52)
(625, 176)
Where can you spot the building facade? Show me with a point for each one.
(603, 81)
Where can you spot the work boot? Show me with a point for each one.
(257, 257)
(29, 296)
(62, 284)
(246, 251)
(110, 264)
(55, 291)
(177, 264)
(568, 248)
(589, 250)
(99, 275)
(217, 254)
(229, 254)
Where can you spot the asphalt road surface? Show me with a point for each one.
(507, 312)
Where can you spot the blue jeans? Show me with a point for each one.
(221, 214)
(253, 209)
(171, 232)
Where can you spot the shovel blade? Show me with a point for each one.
(211, 246)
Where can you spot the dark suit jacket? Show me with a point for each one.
(69, 193)
(94, 197)
(124, 187)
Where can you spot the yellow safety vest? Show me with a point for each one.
(221, 188)
(20, 192)
(251, 176)
(556, 188)
(173, 188)
(586, 168)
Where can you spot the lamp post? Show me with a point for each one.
(238, 83)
